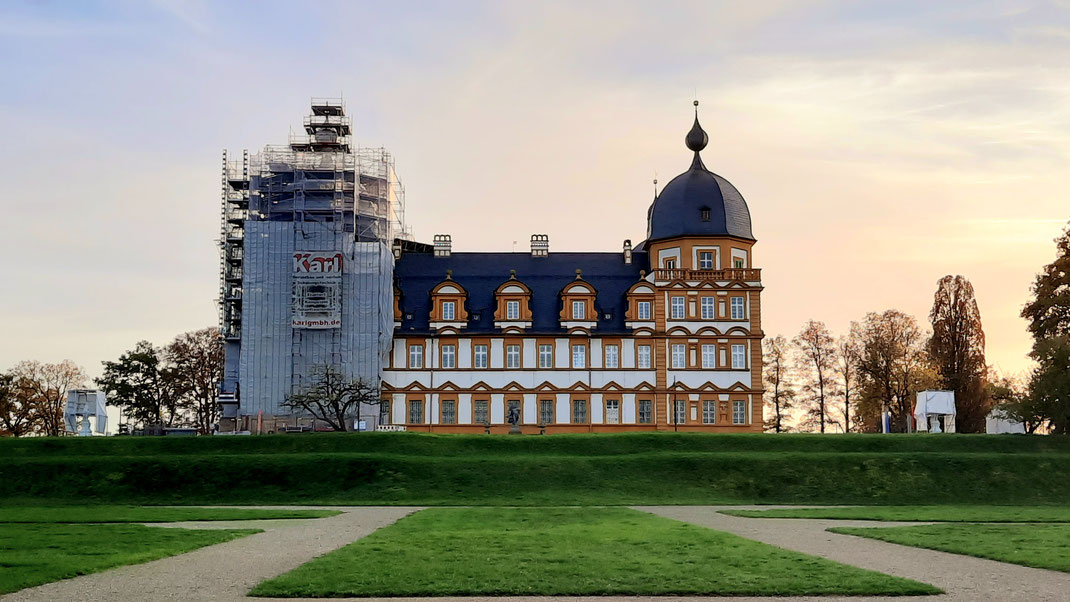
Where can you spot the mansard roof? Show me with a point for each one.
(416, 274)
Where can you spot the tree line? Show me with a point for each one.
(155, 387)
(819, 382)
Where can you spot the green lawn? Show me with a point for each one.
(33, 554)
(144, 514)
(953, 513)
(1036, 545)
(568, 551)
(555, 470)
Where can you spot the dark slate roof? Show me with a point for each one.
(677, 210)
(482, 273)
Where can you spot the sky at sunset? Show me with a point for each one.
(879, 145)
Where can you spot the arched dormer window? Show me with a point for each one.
(447, 305)
(640, 312)
(577, 307)
(512, 308)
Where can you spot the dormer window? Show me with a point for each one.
(512, 305)
(579, 310)
(447, 305)
(640, 311)
(577, 305)
(704, 214)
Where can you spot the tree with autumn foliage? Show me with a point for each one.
(778, 385)
(37, 395)
(1048, 314)
(195, 360)
(893, 367)
(957, 349)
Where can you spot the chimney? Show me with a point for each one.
(443, 245)
(627, 251)
(540, 245)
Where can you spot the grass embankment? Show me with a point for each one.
(631, 468)
(953, 513)
(41, 553)
(1036, 545)
(568, 551)
(140, 514)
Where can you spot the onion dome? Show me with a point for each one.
(698, 202)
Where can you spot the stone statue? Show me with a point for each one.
(514, 419)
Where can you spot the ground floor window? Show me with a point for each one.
(646, 411)
(546, 411)
(709, 412)
(514, 404)
(739, 412)
(679, 412)
(449, 411)
(612, 411)
(579, 411)
(480, 415)
(416, 411)
(384, 411)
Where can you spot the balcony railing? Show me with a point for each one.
(744, 274)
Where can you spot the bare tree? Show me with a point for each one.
(43, 388)
(816, 349)
(333, 397)
(196, 360)
(845, 367)
(957, 348)
(778, 382)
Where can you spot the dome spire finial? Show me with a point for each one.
(696, 140)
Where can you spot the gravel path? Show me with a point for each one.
(227, 571)
(964, 578)
(224, 571)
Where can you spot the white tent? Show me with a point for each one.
(935, 410)
(997, 423)
(83, 404)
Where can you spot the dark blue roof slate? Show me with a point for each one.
(481, 273)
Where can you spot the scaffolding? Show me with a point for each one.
(319, 195)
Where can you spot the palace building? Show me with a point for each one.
(662, 335)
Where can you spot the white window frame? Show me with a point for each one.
(449, 357)
(579, 356)
(642, 357)
(512, 356)
(642, 310)
(737, 303)
(612, 356)
(677, 303)
(708, 303)
(449, 311)
(481, 355)
(512, 310)
(644, 411)
(709, 412)
(546, 356)
(579, 310)
(709, 356)
(739, 412)
(700, 260)
(416, 356)
(612, 411)
(739, 357)
(679, 356)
